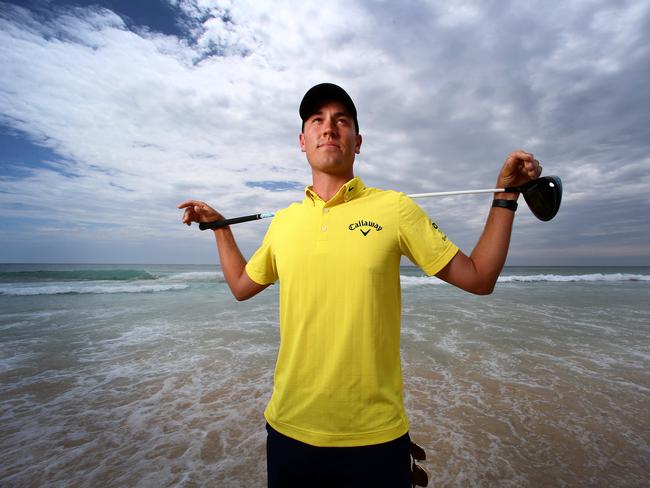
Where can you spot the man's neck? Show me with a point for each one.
(327, 185)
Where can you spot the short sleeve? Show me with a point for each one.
(261, 266)
(421, 240)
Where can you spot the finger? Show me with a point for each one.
(528, 166)
(521, 155)
(187, 203)
(535, 169)
(517, 160)
(188, 216)
(525, 165)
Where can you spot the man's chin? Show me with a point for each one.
(334, 164)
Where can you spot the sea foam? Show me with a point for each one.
(83, 289)
(538, 278)
(591, 277)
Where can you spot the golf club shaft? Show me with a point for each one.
(457, 192)
(224, 222)
(217, 224)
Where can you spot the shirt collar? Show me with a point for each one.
(347, 192)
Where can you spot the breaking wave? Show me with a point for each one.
(82, 289)
(75, 275)
(591, 277)
(557, 278)
(98, 281)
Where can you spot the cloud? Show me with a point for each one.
(141, 120)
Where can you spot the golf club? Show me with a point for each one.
(543, 197)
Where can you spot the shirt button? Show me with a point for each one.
(326, 210)
(324, 228)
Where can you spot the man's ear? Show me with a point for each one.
(301, 140)
(357, 148)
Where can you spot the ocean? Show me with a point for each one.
(154, 376)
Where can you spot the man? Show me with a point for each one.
(336, 417)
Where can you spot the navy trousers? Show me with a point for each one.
(291, 463)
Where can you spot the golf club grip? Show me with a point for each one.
(217, 224)
(527, 186)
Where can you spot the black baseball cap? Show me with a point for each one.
(326, 92)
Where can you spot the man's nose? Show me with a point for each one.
(329, 127)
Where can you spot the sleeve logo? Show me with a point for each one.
(435, 226)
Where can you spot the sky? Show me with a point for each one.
(113, 112)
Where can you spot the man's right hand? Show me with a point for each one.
(197, 211)
(233, 264)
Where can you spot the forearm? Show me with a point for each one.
(478, 272)
(489, 254)
(233, 264)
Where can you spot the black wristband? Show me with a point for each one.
(509, 204)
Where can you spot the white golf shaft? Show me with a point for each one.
(544, 206)
(264, 215)
(457, 192)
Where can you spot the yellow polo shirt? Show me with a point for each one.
(338, 379)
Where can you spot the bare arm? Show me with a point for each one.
(232, 261)
(478, 272)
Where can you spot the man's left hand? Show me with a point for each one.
(519, 167)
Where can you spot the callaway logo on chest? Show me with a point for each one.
(365, 226)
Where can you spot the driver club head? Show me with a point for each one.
(543, 196)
